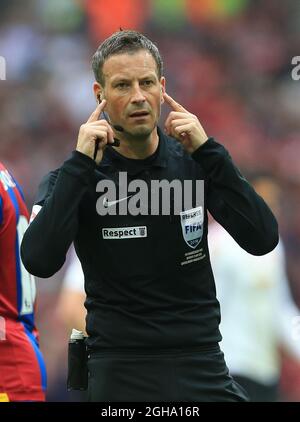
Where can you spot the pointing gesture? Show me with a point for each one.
(96, 113)
(95, 134)
(173, 104)
(184, 126)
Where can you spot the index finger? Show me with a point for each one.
(95, 115)
(172, 103)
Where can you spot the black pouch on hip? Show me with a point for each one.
(77, 362)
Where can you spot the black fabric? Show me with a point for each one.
(177, 377)
(141, 295)
(257, 391)
(77, 378)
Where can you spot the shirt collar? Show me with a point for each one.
(112, 158)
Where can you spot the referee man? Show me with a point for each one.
(152, 312)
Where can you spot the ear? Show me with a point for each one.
(98, 92)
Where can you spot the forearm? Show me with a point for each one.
(234, 203)
(49, 236)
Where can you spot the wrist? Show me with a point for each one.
(199, 144)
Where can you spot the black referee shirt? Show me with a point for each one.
(148, 278)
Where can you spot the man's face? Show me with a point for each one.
(133, 92)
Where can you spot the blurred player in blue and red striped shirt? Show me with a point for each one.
(22, 368)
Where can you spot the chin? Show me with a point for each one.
(142, 131)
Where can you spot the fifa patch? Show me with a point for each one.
(192, 226)
(124, 232)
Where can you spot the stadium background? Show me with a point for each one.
(228, 61)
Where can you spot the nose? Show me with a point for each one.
(137, 94)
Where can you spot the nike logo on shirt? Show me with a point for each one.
(107, 203)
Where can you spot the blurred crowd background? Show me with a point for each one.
(227, 61)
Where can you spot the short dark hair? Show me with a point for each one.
(124, 42)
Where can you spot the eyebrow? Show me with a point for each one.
(148, 77)
(125, 79)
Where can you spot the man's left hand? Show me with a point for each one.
(184, 126)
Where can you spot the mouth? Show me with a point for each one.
(139, 114)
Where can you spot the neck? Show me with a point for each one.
(137, 148)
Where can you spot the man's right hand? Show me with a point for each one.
(94, 132)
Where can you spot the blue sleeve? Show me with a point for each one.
(20, 190)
